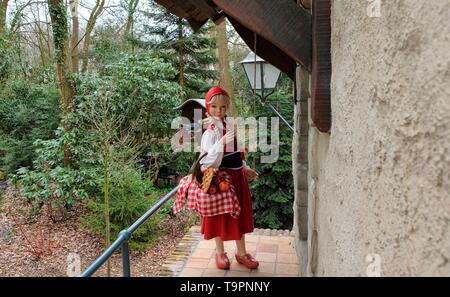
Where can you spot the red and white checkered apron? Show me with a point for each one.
(205, 204)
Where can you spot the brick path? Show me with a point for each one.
(194, 257)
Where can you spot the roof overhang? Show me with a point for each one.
(285, 34)
(282, 28)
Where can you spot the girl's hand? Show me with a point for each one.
(228, 137)
(251, 174)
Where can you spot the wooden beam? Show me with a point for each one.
(321, 65)
(219, 18)
(265, 49)
(283, 23)
(306, 3)
(196, 25)
(174, 7)
(196, 12)
(204, 7)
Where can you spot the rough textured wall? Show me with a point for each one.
(300, 164)
(383, 176)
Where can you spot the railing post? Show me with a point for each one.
(126, 254)
(124, 237)
(125, 259)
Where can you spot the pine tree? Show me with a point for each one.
(192, 54)
(273, 192)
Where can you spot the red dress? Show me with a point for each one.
(225, 226)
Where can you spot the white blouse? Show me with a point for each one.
(210, 143)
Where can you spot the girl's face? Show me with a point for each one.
(218, 108)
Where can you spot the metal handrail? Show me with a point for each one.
(263, 101)
(122, 240)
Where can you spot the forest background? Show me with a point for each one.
(87, 91)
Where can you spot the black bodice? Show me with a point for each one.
(232, 160)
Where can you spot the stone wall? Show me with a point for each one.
(379, 183)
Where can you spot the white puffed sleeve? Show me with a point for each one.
(215, 150)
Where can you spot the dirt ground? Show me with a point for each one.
(61, 242)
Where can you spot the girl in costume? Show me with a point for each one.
(220, 143)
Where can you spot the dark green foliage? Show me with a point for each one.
(130, 198)
(7, 54)
(140, 91)
(143, 76)
(49, 180)
(28, 112)
(273, 192)
(106, 45)
(191, 54)
(58, 14)
(138, 88)
(184, 161)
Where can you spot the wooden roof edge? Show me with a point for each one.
(283, 23)
(286, 33)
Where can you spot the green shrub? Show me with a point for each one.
(49, 179)
(130, 197)
(28, 112)
(273, 192)
(140, 96)
(8, 54)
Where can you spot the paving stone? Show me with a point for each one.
(274, 249)
(267, 247)
(266, 267)
(197, 263)
(251, 238)
(207, 244)
(214, 273)
(191, 272)
(286, 248)
(235, 266)
(256, 273)
(233, 273)
(212, 264)
(268, 239)
(202, 253)
(287, 269)
(250, 245)
(266, 257)
(287, 258)
(229, 245)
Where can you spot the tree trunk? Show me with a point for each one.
(180, 49)
(3, 8)
(106, 168)
(42, 46)
(130, 21)
(42, 40)
(224, 64)
(58, 16)
(95, 13)
(75, 35)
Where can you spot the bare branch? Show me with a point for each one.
(95, 14)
